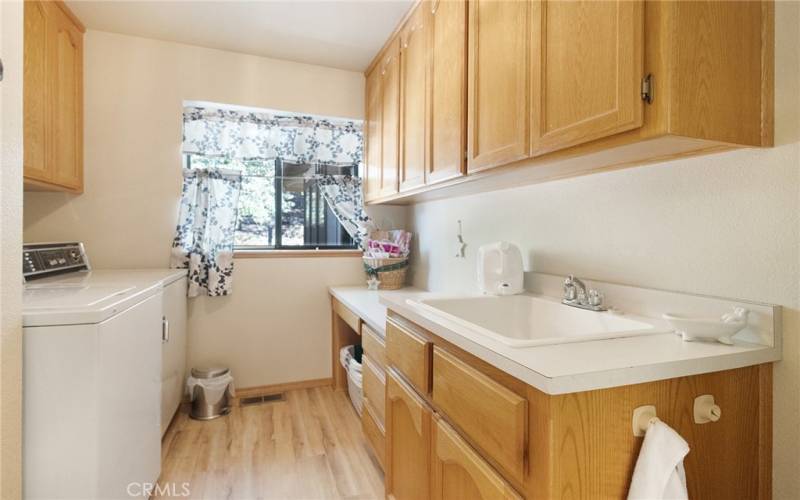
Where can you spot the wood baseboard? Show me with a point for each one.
(263, 390)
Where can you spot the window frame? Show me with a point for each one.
(251, 251)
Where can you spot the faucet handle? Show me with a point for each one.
(595, 298)
(570, 292)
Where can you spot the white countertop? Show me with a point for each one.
(575, 366)
(583, 366)
(366, 304)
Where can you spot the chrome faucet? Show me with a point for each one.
(577, 295)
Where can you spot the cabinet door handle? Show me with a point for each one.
(164, 330)
(434, 6)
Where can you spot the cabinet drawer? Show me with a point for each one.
(410, 354)
(459, 472)
(347, 316)
(375, 387)
(491, 416)
(374, 345)
(376, 435)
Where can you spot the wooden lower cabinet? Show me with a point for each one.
(374, 345)
(482, 434)
(374, 386)
(459, 473)
(410, 354)
(492, 415)
(374, 430)
(408, 441)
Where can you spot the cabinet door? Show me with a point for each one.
(497, 83)
(459, 473)
(173, 351)
(413, 62)
(448, 89)
(491, 415)
(373, 151)
(586, 71)
(390, 119)
(67, 103)
(37, 89)
(408, 441)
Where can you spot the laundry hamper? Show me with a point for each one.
(391, 272)
(354, 380)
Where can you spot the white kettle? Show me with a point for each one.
(500, 269)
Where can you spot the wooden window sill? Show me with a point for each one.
(273, 254)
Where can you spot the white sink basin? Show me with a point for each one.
(526, 320)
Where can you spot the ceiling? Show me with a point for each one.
(343, 34)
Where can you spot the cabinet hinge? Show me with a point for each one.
(647, 89)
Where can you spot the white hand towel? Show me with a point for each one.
(659, 473)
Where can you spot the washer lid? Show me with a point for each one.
(75, 304)
(91, 297)
(209, 371)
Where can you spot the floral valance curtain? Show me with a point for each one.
(261, 135)
(205, 235)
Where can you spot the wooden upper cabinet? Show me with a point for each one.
(52, 98)
(721, 71)
(459, 472)
(586, 71)
(37, 115)
(68, 103)
(390, 119)
(552, 89)
(413, 62)
(448, 89)
(497, 109)
(373, 151)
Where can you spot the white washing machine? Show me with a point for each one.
(92, 375)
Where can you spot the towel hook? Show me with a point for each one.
(643, 416)
(706, 410)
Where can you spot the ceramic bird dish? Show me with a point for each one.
(710, 329)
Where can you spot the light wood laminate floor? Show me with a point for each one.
(308, 447)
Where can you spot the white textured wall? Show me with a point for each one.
(134, 89)
(726, 225)
(10, 254)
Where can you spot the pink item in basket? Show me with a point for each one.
(385, 246)
(389, 244)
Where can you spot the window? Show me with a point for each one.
(280, 205)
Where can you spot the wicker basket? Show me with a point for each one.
(390, 272)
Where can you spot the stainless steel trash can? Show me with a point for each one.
(202, 407)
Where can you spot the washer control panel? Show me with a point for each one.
(48, 259)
